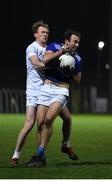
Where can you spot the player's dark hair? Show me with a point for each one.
(37, 24)
(69, 33)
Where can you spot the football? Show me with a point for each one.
(67, 60)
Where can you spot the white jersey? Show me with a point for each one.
(34, 76)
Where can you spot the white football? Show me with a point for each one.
(67, 60)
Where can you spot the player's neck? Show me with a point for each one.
(41, 43)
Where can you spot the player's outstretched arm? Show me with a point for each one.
(50, 55)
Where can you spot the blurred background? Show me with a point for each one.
(93, 19)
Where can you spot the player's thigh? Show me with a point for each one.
(41, 114)
(53, 110)
(31, 107)
(30, 115)
(57, 103)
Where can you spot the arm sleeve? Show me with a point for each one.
(78, 66)
(53, 47)
(31, 51)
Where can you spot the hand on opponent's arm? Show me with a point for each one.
(50, 55)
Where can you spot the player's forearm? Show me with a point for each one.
(36, 62)
(50, 56)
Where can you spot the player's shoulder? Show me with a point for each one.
(77, 56)
(32, 45)
(54, 46)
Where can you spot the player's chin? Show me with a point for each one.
(74, 49)
(44, 41)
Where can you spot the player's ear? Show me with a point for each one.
(35, 35)
(66, 42)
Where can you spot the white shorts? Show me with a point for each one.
(31, 100)
(32, 97)
(50, 93)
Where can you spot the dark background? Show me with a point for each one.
(90, 18)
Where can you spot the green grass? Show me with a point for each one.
(91, 138)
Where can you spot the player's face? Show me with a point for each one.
(74, 42)
(42, 35)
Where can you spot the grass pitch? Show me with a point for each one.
(91, 138)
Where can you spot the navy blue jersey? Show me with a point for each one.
(54, 72)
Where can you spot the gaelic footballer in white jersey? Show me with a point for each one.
(34, 78)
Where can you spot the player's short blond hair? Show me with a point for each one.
(37, 24)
